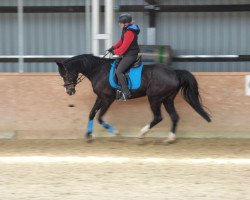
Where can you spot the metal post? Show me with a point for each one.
(88, 27)
(151, 30)
(20, 35)
(108, 22)
(151, 36)
(95, 26)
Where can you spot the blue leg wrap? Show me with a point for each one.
(107, 126)
(90, 126)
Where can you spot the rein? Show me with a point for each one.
(106, 54)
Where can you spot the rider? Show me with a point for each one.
(127, 47)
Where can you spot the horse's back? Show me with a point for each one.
(161, 71)
(160, 78)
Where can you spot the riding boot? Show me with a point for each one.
(125, 91)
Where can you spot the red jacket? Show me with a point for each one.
(121, 47)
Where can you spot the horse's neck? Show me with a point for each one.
(94, 67)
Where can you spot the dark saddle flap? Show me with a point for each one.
(138, 62)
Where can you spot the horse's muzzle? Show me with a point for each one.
(70, 91)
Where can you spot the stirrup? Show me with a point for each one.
(123, 97)
(118, 94)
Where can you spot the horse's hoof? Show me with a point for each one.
(169, 141)
(171, 138)
(89, 138)
(141, 136)
(117, 133)
(143, 131)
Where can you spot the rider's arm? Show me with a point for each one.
(118, 44)
(128, 39)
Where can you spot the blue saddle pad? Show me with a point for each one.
(134, 76)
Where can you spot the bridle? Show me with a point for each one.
(80, 78)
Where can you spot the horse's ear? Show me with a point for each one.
(59, 64)
(60, 68)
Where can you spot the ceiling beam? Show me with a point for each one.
(132, 8)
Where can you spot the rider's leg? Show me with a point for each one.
(123, 66)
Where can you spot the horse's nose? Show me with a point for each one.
(71, 92)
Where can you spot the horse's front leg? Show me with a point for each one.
(105, 106)
(94, 110)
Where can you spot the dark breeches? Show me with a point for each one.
(123, 66)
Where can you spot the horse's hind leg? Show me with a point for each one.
(96, 107)
(155, 105)
(105, 106)
(169, 105)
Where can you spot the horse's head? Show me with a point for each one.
(70, 78)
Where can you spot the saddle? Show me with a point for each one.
(136, 64)
(133, 76)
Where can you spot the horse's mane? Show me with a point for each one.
(88, 58)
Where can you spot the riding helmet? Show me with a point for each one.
(125, 18)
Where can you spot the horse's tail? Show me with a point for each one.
(190, 92)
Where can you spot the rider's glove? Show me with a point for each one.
(110, 50)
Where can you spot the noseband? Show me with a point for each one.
(78, 80)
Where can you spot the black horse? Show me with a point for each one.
(160, 84)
